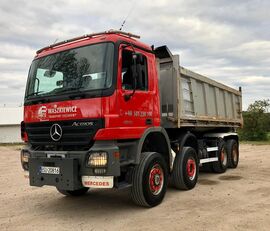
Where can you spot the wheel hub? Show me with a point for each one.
(156, 177)
(191, 169)
(223, 157)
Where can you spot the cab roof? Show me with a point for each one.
(105, 36)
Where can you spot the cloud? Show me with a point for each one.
(225, 40)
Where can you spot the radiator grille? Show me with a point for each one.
(74, 132)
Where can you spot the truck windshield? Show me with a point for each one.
(81, 69)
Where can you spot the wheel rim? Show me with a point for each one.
(223, 157)
(191, 169)
(235, 153)
(156, 179)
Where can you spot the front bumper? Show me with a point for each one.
(67, 179)
(72, 164)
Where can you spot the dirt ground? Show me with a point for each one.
(236, 200)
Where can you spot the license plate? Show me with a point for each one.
(49, 170)
(97, 181)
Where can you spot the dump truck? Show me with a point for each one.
(105, 110)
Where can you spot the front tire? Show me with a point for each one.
(185, 169)
(75, 193)
(150, 179)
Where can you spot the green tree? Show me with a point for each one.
(256, 121)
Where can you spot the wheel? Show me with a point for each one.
(221, 165)
(185, 169)
(149, 180)
(233, 153)
(77, 192)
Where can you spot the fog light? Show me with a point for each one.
(98, 159)
(24, 159)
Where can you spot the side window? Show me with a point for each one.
(127, 79)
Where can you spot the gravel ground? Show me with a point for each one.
(236, 200)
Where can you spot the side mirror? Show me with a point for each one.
(135, 71)
(137, 59)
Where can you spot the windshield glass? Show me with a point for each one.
(82, 69)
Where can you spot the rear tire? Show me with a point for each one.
(233, 153)
(149, 180)
(75, 193)
(221, 165)
(185, 169)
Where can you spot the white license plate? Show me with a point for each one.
(97, 181)
(49, 170)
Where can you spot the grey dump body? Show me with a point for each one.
(189, 99)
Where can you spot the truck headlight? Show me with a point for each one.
(98, 159)
(24, 159)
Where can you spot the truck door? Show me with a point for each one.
(136, 112)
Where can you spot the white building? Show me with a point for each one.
(10, 121)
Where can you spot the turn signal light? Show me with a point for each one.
(25, 159)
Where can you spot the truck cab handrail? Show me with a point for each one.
(130, 35)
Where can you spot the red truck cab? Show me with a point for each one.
(107, 102)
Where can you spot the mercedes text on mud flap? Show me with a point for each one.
(107, 111)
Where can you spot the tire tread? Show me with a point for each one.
(229, 145)
(137, 190)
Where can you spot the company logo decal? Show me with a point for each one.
(56, 112)
(95, 183)
(56, 132)
(42, 112)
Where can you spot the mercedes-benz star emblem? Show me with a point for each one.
(56, 132)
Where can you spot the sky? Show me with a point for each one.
(228, 41)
